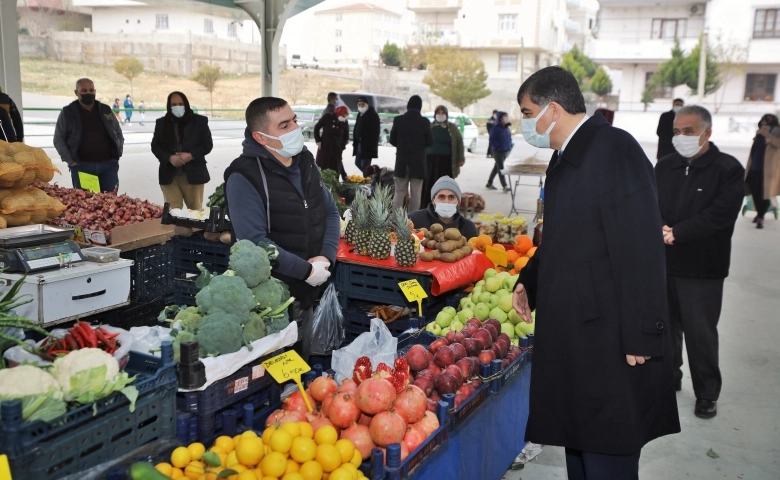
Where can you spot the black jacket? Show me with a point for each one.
(12, 125)
(426, 217)
(665, 132)
(700, 203)
(68, 134)
(366, 134)
(195, 141)
(598, 284)
(411, 135)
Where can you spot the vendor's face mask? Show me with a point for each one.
(292, 143)
(446, 210)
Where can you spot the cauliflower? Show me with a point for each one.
(229, 294)
(189, 318)
(255, 329)
(219, 335)
(90, 374)
(38, 390)
(269, 293)
(249, 262)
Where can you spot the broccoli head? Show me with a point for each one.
(269, 293)
(219, 336)
(249, 262)
(255, 329)
(189, 318)
(182, 337)
(276, 325)
(226, 293)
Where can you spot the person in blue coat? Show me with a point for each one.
(500, 146)
(128, 109)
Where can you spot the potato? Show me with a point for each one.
(431, 244)
(437, 228)
(458, 254)
(462, 241)
(440, 237)
(448, 258)
(426, 256)
(436, 255)
(448, 247)
(467, 249)
(226, 237)
(452, 234)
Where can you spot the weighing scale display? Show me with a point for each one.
(41, 257)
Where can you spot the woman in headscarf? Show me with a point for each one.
(182, 140)
(446, 155)
(332, 135)
(763, 167)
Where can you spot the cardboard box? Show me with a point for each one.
(126, 237)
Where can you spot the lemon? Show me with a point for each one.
(249, 433)
(311, 470)
(346, 449)
(235, 441)
(293, 476)
(326, 435)
(230, 459)
(303, 449)
(306, 430)
(250, 451)
(196, 450)
(246, 475)
(281, 441)
(165, 468)
(328, 456)
(180, 457)
(341, 474)
(267, 434)
(177, 473)
(357, 459)
(292, 466)
(274, 464)
(194, 470)
(225, 443)
(291, 428)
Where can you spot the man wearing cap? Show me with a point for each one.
(411, 135)
(445, 198)
(365, 136)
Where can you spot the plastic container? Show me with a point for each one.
(101, 254)
(189, 251)
(400, 470)
(377, 285)
(151, 275)
(357, 320)
(138, 314)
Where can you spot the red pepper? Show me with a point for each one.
(108, 335)
(102, 338)
(58, 352)
(89, 334)
(78, 336)
(71, 342)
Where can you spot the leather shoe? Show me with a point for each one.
(705, 408)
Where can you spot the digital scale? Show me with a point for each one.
(37, 247)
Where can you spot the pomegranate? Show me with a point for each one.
(326, 403)
(401, 374)
(375, 395)
(472, 347)
(444, 356)
(493, 332)
(360, 436)
(362, 370)
(458, 351)
(348, 386)
(417, 358)
(365, 419)
(343, 410)
(320, 422)
(429, 423)
(455, 371)
(311, 416)
(486, 356)
(280, 417)
(446, 383)
(483, 337)
(492, 321)
(386, 428)
(295, 403)
(437, 344)
(322, 387)
(414, 437)
(411, 404)
(431, 405)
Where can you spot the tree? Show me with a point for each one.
(457, 77)
(580, 65)
(683, 69)
(672, 72)
(129, 67)
(391, 55)
(731, 58)
(712, 75)
(208, 76)
(647, 96)
(600, 84)
(381, 81)
(294, 86)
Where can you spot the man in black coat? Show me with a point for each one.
(365, 136)
(665, 129)
(12, 125)
(411, 135)
(700, 193)
(601, 381)
(489, 126)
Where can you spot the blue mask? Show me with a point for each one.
(528, 125)
(292, 143)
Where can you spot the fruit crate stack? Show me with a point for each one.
(152, 273)
(356, 282)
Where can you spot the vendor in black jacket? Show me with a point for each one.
(445, 198)
(700, 193)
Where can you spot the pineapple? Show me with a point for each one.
(350, 233)
(379, 215)
(405, 251)
(362, 234)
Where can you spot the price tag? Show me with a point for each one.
(496, 255)
(89, 182)
(289, 366)
(414, 293)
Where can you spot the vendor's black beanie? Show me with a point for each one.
(415, 103)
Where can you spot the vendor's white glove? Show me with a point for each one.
(319, 273)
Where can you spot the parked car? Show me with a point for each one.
(308, 115)
(299, 61)
(470, 130)
(386, 106)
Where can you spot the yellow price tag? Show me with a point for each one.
(414, 293)
(89, 182)
(289, 366)
(5, 469)
(496, 255)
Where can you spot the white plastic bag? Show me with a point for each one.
(378, 344)
(19, 355)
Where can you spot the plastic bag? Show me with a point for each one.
(327, 329)
(124, 339)
(378, 344)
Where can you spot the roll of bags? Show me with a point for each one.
(21, 204)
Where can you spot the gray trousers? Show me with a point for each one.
(402, 185)
(694, 311)
(304, 320)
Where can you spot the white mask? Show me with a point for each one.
(292, 143)
(342, 119)
(539, 140)
(687, 145)
(441, 118)
(446, 210)
(362, 109)
(676, 108)
(178, 111)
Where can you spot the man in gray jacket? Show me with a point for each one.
(89, 139)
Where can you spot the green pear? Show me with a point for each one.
(490, 272)
(456, 325)
(509, 329)
(464, 315)
(450, 311)
(443, 319)
(513, 317)
(492, 284)
(498, 314)
(481, 311)
(444, 331)
(505, 304)
(519, 330)
(434, 328)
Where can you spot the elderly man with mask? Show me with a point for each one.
(700, 193)
(275, 193)
(445, 198)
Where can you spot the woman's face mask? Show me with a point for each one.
(178, 110)
(441, 118)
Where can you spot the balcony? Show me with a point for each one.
(571, 26)
(422, 6)
(637, 50)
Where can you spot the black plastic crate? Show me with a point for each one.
(379, 285)
(185, 291)
(189, 251)
(151, 275)
(138, 314)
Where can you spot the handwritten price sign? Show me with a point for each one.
(289, 366)
(414, 293)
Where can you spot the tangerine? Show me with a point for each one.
(250, 451)
(531, 252)
(523, 243)
(225, 443)
(521, 262)
(311, 470)
(511, 256)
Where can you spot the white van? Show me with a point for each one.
(298, 61)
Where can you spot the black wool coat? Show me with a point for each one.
(366, 134)
(411, 135)
(332, 134)
(665, 132)
(598, 283)
(195, 141)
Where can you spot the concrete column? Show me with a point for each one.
(10, 70)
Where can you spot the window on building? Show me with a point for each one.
(232, 30)
(669, 28)
(338, 17)
(507, 63)
(338, 48)
(208, 25)
(658, 91)
(767, 23)
(162, 21)
(338, 33)
(507, 23)
(760, 87)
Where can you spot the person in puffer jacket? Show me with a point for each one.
(500, 145)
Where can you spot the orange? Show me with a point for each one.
(164, 468)
(520, 263)
(250, 451)
(513, 272)
(511, 256)
(311, 470)
(225, 443)
(522, 244)
(530, 252)
(482, 241)
(196, 450)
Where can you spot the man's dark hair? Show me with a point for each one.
(495, 111)
(678, 100)
(553, 84)
(257, 112)
(332, 96)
